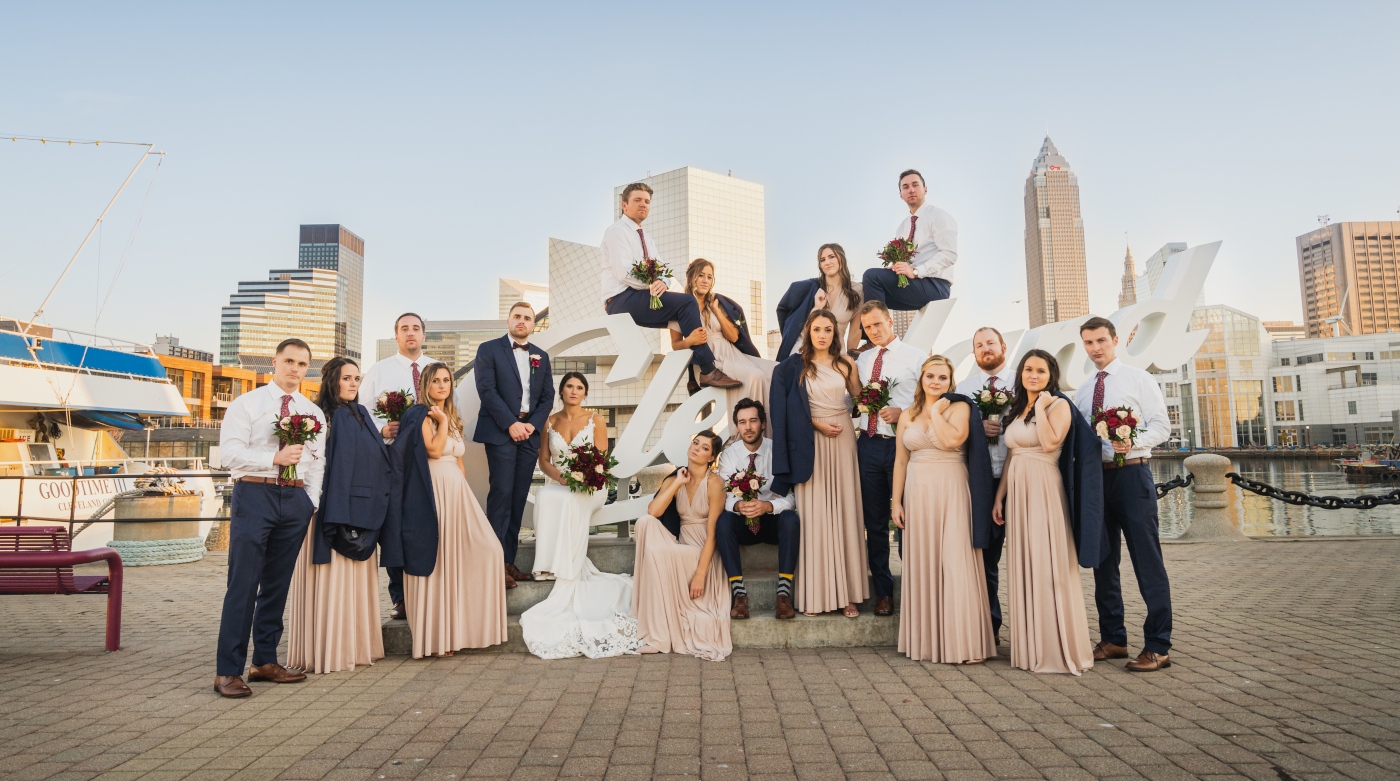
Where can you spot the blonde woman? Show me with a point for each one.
(944, 614)
(460, 602)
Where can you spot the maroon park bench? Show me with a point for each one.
(40, 560)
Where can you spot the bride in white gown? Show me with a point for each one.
(588, 612)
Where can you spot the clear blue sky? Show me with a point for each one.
(456, 140)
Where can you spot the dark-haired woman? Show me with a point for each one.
(814, 449)
(334, 598)
(1048, 622)
(680, 599)
(833, 290)
(588, 612)
(727, 334)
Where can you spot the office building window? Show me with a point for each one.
(1351, 408)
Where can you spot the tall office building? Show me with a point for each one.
(702, 214)
(335, 248)
(1057, 279)
(1349, 271)
(513, 291)
(1156, 263)
(299, 303)
(1127, 294)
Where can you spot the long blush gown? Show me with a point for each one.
(334, 622)
(668, 620)
(831, 563)
(587, 612)
(944, 615)
(756, 374)
(1048, 621)
(463, 603)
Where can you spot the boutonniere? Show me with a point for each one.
(534, 363)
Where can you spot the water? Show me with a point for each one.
(1262, 517)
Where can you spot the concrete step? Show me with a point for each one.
(611, 554)
(762, 589)
(829, 630)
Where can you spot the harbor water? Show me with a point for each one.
(1259, 516)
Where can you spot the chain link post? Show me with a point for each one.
(1210, 517)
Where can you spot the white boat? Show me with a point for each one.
(60, 402)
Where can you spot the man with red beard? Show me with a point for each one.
(996, 373)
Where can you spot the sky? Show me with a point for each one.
(457, 138)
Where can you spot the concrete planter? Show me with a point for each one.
(153, 542)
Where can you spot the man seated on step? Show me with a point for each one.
(768, 518)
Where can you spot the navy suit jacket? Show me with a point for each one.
(735, 313)
(359, 481)
(1081, 469)
(790, 419)
(498, 385)
(793, 309)
(409, 538)
(979, 473)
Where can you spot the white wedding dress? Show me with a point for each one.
(588, 612)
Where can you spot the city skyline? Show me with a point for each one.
(1192, 136)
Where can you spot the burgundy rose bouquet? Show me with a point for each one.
(1116, 424)
(650, 271)
(991, 402)
(391, 405)
(587, 469)
(295, 430)
(898, 251)
(745, 485)
(874, 396)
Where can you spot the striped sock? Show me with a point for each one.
(736, 586)
(784, 584)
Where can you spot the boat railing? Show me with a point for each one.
(19, 518)
(81, 465)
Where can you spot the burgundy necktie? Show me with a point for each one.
(1098, 393)
(913, 218)
(753, 458)
(417, 378)
(873, 419)
(643, 237)
(286, 410)
(992, 384)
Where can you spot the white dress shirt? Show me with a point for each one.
(936, 236)
(247, 443)
(900, 366)
(621, 248)
(522, 363)
(391, 374)
(974, 383)
(1128, 386)
(735, 458)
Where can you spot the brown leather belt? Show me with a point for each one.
(1129, 462)
(273, 481)
(875, 436)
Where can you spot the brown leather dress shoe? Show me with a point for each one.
(784, 610)
(884, 606)
(517, 575)
(398, 612)
(740, 611)
(1105, 651)
(718, 379)
(510, 582)
(273, 672)
(1148, 662)
(231, 686)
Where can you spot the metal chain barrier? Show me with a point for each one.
(1363, 502)
(1176, 482)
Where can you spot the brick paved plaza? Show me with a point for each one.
(1286, 664)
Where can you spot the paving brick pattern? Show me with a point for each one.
(1285, 668)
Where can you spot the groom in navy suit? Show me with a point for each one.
(517, 394)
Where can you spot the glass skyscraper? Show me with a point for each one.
(1057, 279)
(335, 248)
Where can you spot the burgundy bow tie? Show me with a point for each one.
(525, 347)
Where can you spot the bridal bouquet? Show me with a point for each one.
(990, 402)
(587, 469)
(898, 251)
(1116, 424)
(649, 271)
(295, 430)
(391, 405)
(874, 396)
(745, 485)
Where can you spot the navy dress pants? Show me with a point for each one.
(781, 529)
(882, 284)
(266, 528)
(510, 466)
(991, 561)
(876, 456)
(1130, 511)
(678, 307)
(395, 584)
